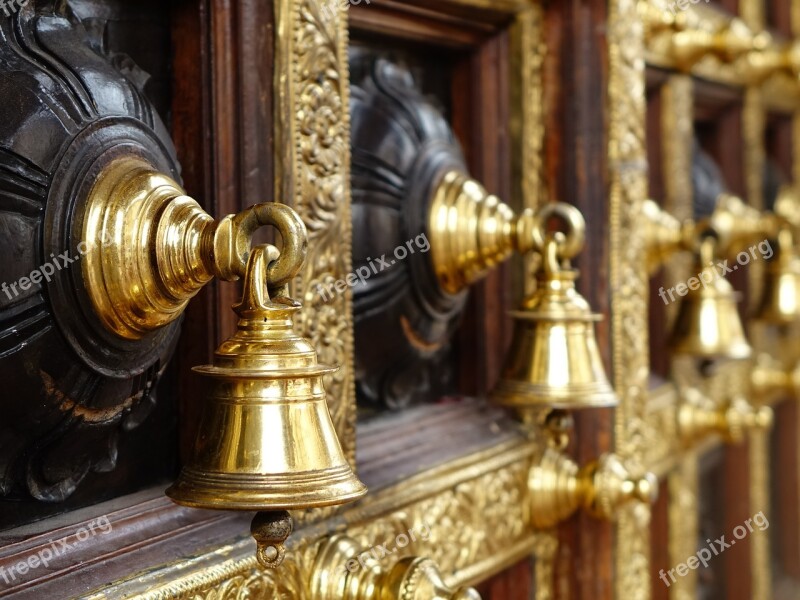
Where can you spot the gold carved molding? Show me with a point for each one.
(629, 282)
(682, 480)
(475, 506)
(682, 469)
(527, 123)
(312, 174)
(735, 69)
(474, 509)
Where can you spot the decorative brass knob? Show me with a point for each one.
(473, 231)
(150, 248)
(768, 57)
(733, 224)
(558, 488)
(769, 378)
(699, 417)
(689, 46)
(664, 234)
(344, 571)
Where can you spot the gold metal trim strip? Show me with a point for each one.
(629, 282)
(483, 496)
(312, 174)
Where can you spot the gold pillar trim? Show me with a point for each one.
(682, 480)
(753, 132)
(474, 508)
(312, 174)
(527, 126)
(684, 517)
(629, 282)
(677, 130)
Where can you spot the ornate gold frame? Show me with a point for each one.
(483, 493)
(490, 527)
(312, 175)
(627, 163)
(665, 456)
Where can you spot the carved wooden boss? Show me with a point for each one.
(69, 386)
(102, 251)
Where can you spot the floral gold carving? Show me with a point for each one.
(312, 175)
(629, 281)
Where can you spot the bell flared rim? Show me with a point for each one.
(224, 372)
(524, 394)
(738, 351)
(260, 492)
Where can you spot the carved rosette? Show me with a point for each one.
(312, 175)
(71, 388)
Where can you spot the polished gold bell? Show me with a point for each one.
(780, 304)
(554, 360)
(266, 440)
(708, 324)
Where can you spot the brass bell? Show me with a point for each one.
(554, 360)
(265, 437)
(780, 303)
(708, 324)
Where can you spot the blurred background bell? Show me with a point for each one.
(708, 324)
(780, 303)
(265, 437)
(554, 360)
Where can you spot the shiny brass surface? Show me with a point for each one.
(265, 437)
(708, 323)
(733, 223)
(769, 379)
(411, 578)
(780, 302)
(689, 46)
(737, 225)
(664, 234)
(767, 58)
(489, 506)
(699, 416)
(130, 210)
(149, 248)
(473, 231)
(558, 488)
(554, 360)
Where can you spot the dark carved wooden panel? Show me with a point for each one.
(401, 147)
(71, 391)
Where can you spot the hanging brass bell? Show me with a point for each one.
(708, 324)
(780, 303)
(554, 360)
(265, 437)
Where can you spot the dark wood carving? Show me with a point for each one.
(70, 390)
(401, 147)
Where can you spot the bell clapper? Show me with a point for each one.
(270, 530)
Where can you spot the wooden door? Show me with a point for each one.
(317, 105)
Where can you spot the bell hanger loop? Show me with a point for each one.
(568, 243)
(551, 253)
(707, 249)
(259, 294)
